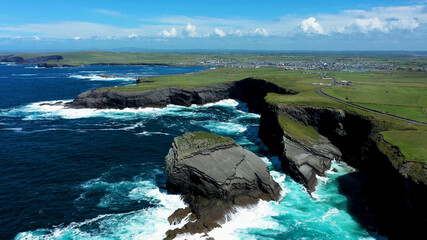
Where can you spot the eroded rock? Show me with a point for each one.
(214, 173)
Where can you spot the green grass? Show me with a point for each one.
(412, 143)
(294, 80)
(298, 131)
(302, 83)
(399, 93)
(204, 78)
(195, 142)
(91, 57)
(414, 113)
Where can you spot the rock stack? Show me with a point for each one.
(214, 174)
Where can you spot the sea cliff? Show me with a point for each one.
(393, 189)
(214, 174)
(307, 139)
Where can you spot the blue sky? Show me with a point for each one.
(252, 25)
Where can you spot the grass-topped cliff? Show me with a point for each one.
(408, 137)
(307, 129)
(194, 142)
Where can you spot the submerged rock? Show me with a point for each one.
(214, 173)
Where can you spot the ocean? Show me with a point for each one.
(99, 174)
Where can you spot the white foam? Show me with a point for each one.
(24, 75)
(331, 212)
(150, 223)
(323, 180)
(224, 127)
(95, 77)
(248, 116)
(225, 102)
(91, 71)
(11, 129)
(145, 133)
(265, 159)
(258, 216)
(47, 110)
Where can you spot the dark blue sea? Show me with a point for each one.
(99, 174)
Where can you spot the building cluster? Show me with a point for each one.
(332, 65)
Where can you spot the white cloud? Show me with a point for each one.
(108, 12)
(370, 24)
(190, 30)
(261, 31)
(388, 20)
(385, 25)
(310, 25)
(133, 35)
(72, 29)
(171, 33)
(219, 32)
(238, 33)
(383, 19)
(36, 38)
(77, 38)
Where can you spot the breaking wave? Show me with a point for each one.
(98, 77)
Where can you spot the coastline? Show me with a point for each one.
(374, 158)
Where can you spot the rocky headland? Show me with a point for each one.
(249, 90)
(214, 174)
(394, 190)
(36, 60)
(42, 61)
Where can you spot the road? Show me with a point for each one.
(320, 92)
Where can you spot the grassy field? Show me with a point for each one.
(91, 57)
(399, 93)
(411, 143)
(294, 80)
(302, 83)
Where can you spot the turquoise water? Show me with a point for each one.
(99, 174)
(296, 216)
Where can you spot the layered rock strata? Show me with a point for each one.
(214, 174)
(394, 190)
(250, 90)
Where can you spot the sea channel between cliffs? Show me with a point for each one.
(389, 193)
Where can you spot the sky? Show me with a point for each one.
(327, 25)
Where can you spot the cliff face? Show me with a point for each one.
(396, 199)
(153, 98)
(248, 90)
(391, 193)
(214, 173)
(36, 60)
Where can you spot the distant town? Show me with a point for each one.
(332, 65)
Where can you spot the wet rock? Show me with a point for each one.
(214, 173)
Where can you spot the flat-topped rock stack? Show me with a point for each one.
(214, 174)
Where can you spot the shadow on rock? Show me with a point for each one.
(350, 185)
